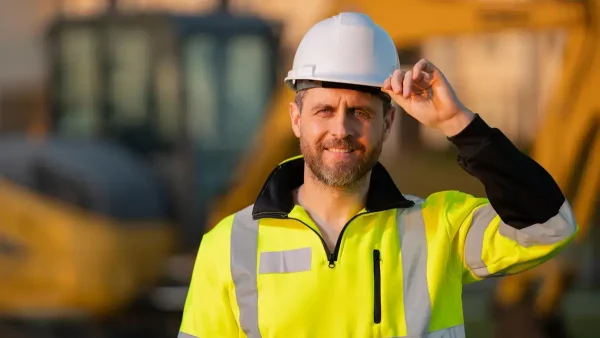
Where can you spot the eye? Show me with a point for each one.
(362, 114)
(325, 111)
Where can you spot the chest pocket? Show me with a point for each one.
(296, 260)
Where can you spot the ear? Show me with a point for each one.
(388, 121)
(295, 118)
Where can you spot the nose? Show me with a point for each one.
(341, 124)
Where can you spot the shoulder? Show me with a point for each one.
(219, 237)
(454, 198)
(452, 206)
(213, 256)
(416, 199)
(448, 200)
(438, 198)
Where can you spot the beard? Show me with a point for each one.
(343, 174)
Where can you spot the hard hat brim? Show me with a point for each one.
(376, 82)
(301, 85)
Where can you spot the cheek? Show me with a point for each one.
(371, 136)
(312, 132)
(314, 127)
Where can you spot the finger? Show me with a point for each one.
(407, 84)
(397, 79)
(423, 79)
(417, 76)
(387, 84)
(423, 66)
(422, 76)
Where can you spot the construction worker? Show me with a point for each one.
(332, 248)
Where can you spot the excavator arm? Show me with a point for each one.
(410, 21)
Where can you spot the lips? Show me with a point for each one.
(339, 150)
(341, 146)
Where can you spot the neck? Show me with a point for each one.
(332, 205)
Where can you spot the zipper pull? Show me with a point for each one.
(331, 261)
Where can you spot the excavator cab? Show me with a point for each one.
(185, 93)
(149, 116)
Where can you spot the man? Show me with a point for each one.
(331, 248)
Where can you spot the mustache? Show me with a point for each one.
(347, 143)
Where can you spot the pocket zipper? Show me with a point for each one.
(376, 286)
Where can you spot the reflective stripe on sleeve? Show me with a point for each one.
(556, 229)
(417, 302)
(553, 231)
(185, 335)
(244, 247)
(482, 217)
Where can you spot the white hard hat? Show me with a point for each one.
(348, 48)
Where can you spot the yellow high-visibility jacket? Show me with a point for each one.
(399, 265)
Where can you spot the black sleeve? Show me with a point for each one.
(520, 190)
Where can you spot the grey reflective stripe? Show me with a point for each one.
(482, 217)
(296, 260)
(244, 246)
(451, 332)
(185, 335)
(413, 239)
(554, 230)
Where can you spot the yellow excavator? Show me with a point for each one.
(158, 130)
(149, 114)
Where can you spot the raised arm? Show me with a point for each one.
(525, 219)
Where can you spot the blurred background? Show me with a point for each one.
(129, 128)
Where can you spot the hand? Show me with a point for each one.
(425, 94)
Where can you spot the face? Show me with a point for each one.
(341, 133)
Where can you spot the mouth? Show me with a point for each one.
(341, 150)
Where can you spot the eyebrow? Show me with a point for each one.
(354, 107)
(323, 106)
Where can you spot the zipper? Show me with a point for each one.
(336, 251)
(376, 286)
(332, 257)
(329, 255)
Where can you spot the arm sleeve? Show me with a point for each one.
(525, 219)
(207, 311)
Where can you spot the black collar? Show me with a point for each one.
(276, 198)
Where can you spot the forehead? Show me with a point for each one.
(338, 96)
